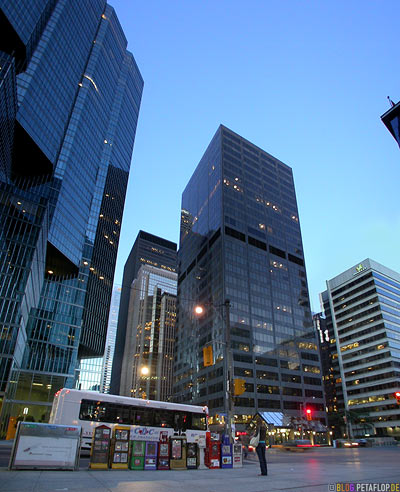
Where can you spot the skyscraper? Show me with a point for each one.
(94, 373)
(150, 335)
(75, 92)
(110, 341)
(148, 249)
(362, 307)
(240, 241)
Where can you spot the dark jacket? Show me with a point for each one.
(263, 433)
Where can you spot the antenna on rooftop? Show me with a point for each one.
(391, 102)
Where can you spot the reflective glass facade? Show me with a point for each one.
(95, 373)
(151, 250)
(241, 241)
(362, 307)
(150, 335)
(78, 98)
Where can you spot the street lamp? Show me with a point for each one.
(228, 363)
(144, 372)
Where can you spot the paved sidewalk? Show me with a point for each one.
(313, 472)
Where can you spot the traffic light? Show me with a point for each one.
(397, 396)
(239, 386)
(208, 356)
(308, 413)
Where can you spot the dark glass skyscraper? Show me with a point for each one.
(62, 189)
(240, 240)
(148, 249)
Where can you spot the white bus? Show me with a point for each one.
(146, 418)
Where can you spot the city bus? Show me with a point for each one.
(146, 418)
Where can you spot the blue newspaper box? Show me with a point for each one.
(150, 457)
(226, 453)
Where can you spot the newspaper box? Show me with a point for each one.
(213, 451)
(137, 455)
(191, 456)
(237, 455)
(178, 453)
(226, 455)
(163, 451)
(150, 458)
(100, 451)
(120, 447)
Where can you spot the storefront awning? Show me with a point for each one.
(273, 418)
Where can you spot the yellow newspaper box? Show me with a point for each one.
(120, 447)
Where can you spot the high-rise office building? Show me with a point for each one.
(240, 241)
(70, 97)
(110, 341)
(391, 120)
(147, 364)
(147, 249)
(362, 307)
(94, 373)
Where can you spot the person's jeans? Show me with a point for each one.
(261, 457)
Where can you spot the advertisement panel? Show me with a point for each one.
(44, 446)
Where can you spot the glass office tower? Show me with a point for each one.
(62, 193)
(147, 249)
(150, 335)
(240, 241)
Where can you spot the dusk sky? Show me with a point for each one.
(306, 81)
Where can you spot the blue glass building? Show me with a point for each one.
(241, 241)
(63, 185)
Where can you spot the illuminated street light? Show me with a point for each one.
(144, 371)
(199, 310)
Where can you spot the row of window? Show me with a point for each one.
(117, 413)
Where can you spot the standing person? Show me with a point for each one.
(260, 449)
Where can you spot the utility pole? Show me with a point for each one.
(229, 406)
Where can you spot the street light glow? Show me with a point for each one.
(199, 310)
(144, 371)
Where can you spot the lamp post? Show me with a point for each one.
(228, 364)
(144, 372)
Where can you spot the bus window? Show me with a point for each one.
(92, 410)
(122, 414)
(199, 421)
(143, 417)
(163, 418)
(182, 421)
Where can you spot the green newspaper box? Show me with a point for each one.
(137, 455)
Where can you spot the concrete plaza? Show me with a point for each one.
(316, 470)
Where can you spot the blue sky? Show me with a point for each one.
(304, 80)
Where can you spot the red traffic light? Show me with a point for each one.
(308, 413)
(397, 394)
